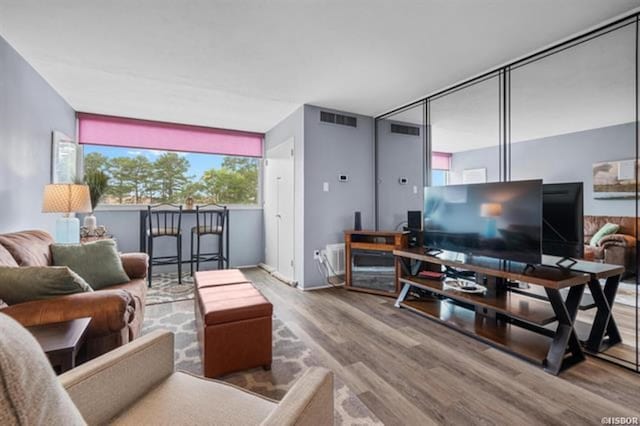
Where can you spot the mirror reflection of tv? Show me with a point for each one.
(501, 220)
(563, 220)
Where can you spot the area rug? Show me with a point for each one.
(165, 288)
(291, 357)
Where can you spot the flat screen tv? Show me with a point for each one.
(563, 220)
(501, 220)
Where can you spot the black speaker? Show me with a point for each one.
(414, 219)
(357, 221)
(414, 226)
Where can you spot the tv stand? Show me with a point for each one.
(539, 331)
(432, 252)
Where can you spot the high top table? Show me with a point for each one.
(516, 323)
(143, 235)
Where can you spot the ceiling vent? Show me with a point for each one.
(343, 120)
(405, 130)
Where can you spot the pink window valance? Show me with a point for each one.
(144, 134)
(440, 160)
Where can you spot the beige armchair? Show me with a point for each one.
(136, 384)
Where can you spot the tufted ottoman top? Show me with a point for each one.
(231, 303)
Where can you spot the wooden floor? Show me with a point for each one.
(412, 371)
(625, 317)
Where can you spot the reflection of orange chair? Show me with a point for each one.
(615, 249)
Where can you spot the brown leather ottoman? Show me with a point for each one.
(216, 278)
(234, 327)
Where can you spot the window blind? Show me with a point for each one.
(144, 134)
(440, 161)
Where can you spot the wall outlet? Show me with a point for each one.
(316, 255)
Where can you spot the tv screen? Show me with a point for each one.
(501, 220)
(563, 220)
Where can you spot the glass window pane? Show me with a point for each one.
(465, 125)
(573, 121)
(142, 176)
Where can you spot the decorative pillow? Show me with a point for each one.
(97, 262)
(30, 393)
(18, 285)
(28, 248)
(607, 229)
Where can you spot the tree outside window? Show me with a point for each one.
(148, 176)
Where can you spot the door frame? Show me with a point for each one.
(289, 280)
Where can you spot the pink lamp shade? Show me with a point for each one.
(66, 198)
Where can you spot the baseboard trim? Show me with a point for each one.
(277, 275)
(269, 269)
(322, 287)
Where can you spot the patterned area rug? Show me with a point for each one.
(291, 357)
(165, 288)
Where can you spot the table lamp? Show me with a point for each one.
(67, 198)
(491, 211)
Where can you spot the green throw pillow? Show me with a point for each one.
(607, 229)
(26, 283)
(98, 262)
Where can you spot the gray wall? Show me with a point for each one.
(331, 150)
(246, 236)
(30, 110)
(563, 158)
(399, 156)
(476, 159)
(293, 127)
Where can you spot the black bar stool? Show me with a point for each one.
(163, 222)
(210, 220)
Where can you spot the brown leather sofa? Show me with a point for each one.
(618, 248)
(117, 311)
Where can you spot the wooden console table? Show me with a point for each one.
(539, 331)
(380, 242)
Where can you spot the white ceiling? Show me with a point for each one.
(246, 64)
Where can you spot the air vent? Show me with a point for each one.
(343, 120)
(405, 130)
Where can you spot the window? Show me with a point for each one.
(144, 176)
(440, 166)
(439, 177)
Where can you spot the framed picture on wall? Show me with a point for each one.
(66, 159)
(615, 179)
(474, 175)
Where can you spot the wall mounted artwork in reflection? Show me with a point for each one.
(615, 179)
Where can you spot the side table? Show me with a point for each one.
(92, 238)
(61, 341)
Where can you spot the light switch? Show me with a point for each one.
(415, 189)
(325, 186)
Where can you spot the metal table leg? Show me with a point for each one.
(403, 295)
(565, 339)
(604, 332)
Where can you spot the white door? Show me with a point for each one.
(279, 208)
